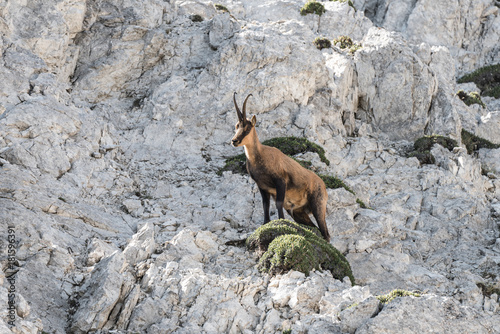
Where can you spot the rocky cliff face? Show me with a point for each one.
(116, 115)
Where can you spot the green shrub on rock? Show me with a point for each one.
(422, 147)
(343, 42)
(284, 245)
(222, 8)
(322, 43)
(235, 164)
(425, 143)
(474, 143)
(312, 7)
(196, 18)
(470, 98)
(346, 42)
(486, 78)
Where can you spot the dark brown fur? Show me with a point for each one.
(296, 189)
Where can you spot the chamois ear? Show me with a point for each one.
(253, 120)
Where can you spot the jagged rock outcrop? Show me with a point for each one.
(115, 116)
(470, 29)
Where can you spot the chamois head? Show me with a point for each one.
(244, 126)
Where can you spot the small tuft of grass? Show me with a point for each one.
(312, 7)
(474, 143)
(362, 204)
(385, 299)
(322, 43)
(486, 78)
(222, 8)
(470, 98)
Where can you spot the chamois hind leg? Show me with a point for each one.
(301, 217)
(318, 209)
(280, 197)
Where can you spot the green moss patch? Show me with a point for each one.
(422, 147)
(236, 164)
(312, 7)
(474, 143)
(333, 182)
(486, 78)
(294, 145)
(284, 245)
(470, 98)
(385, 299)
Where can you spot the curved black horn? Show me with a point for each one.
(240, 116)
(245, 107)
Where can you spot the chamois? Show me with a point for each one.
(298, 190)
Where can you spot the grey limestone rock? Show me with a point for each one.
(116, 115)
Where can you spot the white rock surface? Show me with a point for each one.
(470, 29)
(116, 115)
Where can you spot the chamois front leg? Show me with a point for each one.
(280, 196)
(265, 202)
